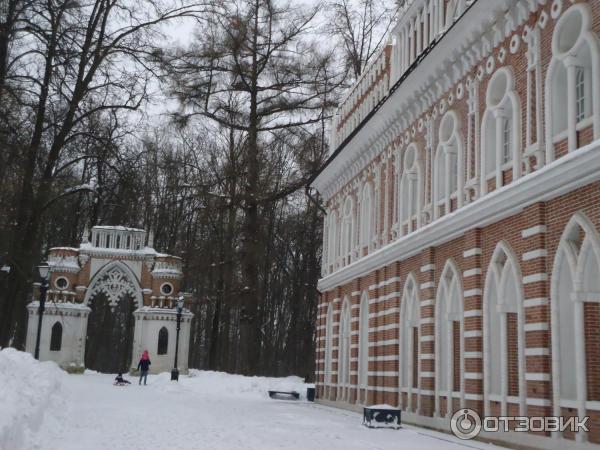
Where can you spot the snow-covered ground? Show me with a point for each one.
(42, 408)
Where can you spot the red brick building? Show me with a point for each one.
(461, 262)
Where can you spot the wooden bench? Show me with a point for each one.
(381, 416)
(274, 394)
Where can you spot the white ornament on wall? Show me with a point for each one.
(114, 283)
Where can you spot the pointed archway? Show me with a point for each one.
(113, 295)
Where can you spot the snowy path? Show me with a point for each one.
(211, 411)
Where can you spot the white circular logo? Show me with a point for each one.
(465, 423)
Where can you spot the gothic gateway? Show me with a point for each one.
(461, 253)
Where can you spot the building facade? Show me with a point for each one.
(461, 253)
(117, 264)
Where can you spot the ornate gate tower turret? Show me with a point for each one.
(116, 265)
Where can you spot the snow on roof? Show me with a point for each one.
(117, 228)
(73, 249)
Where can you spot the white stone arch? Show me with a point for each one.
(348, 228)
(410, 318)
(329, 346)
(366, 215)
(449, 308)
(575, 280)
(575, 46)
(500, 130)
(363, 345)
(114, 279)
(410, 190)
(332, 239)
(448, 178)
(344, 352)
(503, 294)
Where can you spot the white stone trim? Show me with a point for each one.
(473, 313)
(428, 302)
(427, 285)
(473, 334)
(475, 251)
(539, 326)
(473, 355)
(472, 293)
(532, 231)
(430, 338)
(427, 374)
(538, 402)
(384, 283)
(535, 278)
(391, 326)
(427, 268)
(385, 312)
(533, 254)
(473, 376)
(384, 343)
(537, 376)
(537, 351)
(471, 272)
(383, 373)
(534, 302)
(384, 358)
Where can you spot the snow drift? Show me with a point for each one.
(28, 389)
(220, 384)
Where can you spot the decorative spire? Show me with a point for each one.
(151, 238)
(86, 234)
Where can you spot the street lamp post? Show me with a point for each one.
(44, 270)
(175, 371)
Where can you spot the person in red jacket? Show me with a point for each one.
(144, 366)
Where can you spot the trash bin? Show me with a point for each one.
(310, 394)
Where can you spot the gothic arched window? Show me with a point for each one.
(163, 341)
(56, 337)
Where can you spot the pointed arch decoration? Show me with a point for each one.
(575, 285)
(114, 280)
(363, 346)
(344, 353)
(449, 336)
(503, 332)
(410, 319)
(329, 347)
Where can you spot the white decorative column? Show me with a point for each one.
(73, 319)
(148, 323)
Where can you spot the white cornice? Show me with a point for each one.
(570, 172)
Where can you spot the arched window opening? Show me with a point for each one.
(347, 244)
(410, 195)
(332, 239)
(500, 133)
(366, 215)
(329, 345)
(163, 341)
(448, 178)
(575, 292)
(449, 336)
(504, 377)
(56, 337)
(409, 343)
(580, 94)
(506, 140)
(571, 94)
(344, 352)
(363, 346)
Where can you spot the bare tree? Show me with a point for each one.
(82, 60)
(361, 27)
(256, 52)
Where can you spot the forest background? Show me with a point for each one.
(201, 121)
